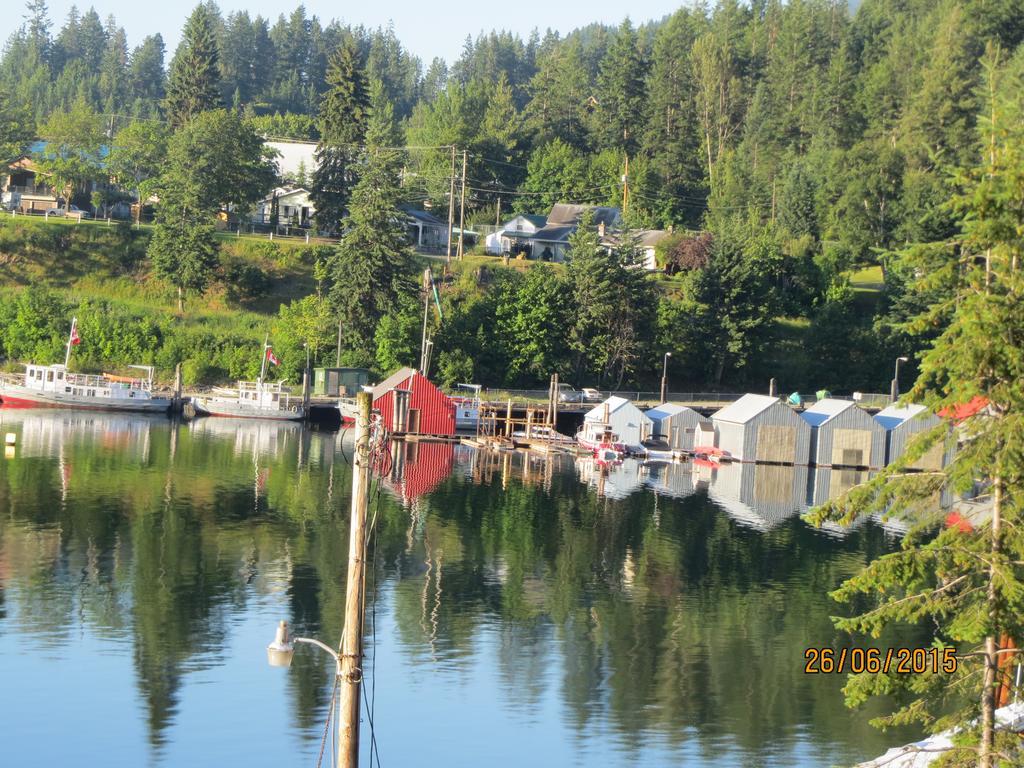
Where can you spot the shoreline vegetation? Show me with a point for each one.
(99, 271)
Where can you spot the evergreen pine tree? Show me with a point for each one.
(614, 305)
(193, 84)
(672, 136)
(342, 120)
(621, 93)
(146, 74)
(372, 263)
(963, 582)
(15, 129)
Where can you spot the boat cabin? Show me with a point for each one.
(263, 394)
(57, 379)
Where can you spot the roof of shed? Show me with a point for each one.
(896, 414)
(826, 410)
(745, 409)
(614, 403)
(665, 410)
(391, 382)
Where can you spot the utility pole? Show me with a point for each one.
(462, 205)
(337, 359)
(426, 306)
(451, 207)
(497, 213)
(350, 664)
(625, 189)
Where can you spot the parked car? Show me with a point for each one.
(74, 210)
(569, 394)
(591, 395)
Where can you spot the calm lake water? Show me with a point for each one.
(521, 610)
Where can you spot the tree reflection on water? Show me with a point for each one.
(671, 601)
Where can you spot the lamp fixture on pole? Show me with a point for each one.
(894, 394)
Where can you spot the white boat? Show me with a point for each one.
(598, 436)
(347, 409)
(54, 386)
(258, 399)
(467, 407)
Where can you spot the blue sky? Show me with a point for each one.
(428, 29)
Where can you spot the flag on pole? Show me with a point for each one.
(75, 338)
(271, 357)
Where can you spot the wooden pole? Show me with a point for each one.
(337, 359)
(625, 189)
(554, 405)
(508, 419)
(426, 306)
(451, 208)
(462, 205)
(350, 670)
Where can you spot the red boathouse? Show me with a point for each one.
(409, 403)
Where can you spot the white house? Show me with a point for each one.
(646, 241)
(551, 242)
(844, 435)
(293, 156)
(426, 231)
(294, 208)
(625, 420)
(762, 428)
(514, 235)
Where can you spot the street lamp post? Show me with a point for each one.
(664, 375)
(348, 660)
(894, 392)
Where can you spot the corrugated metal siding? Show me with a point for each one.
(901, 436)
(851, 419)
(777, 415)
(730, 437)
(436, 410)
(679, 429)
(630, 424)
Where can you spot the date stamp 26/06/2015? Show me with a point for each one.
(902, 661)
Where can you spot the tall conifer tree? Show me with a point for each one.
(621, 93)
(961, 579)
(344, 111)
(372, 263)
(193, 84)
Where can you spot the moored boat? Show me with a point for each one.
(598, 436)
(54, 386)
(258, 399)
(711, 454)
(467, 407)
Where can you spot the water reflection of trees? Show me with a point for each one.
(660, 613)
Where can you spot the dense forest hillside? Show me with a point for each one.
(805, 141)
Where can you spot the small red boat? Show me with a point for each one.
(712, 454)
